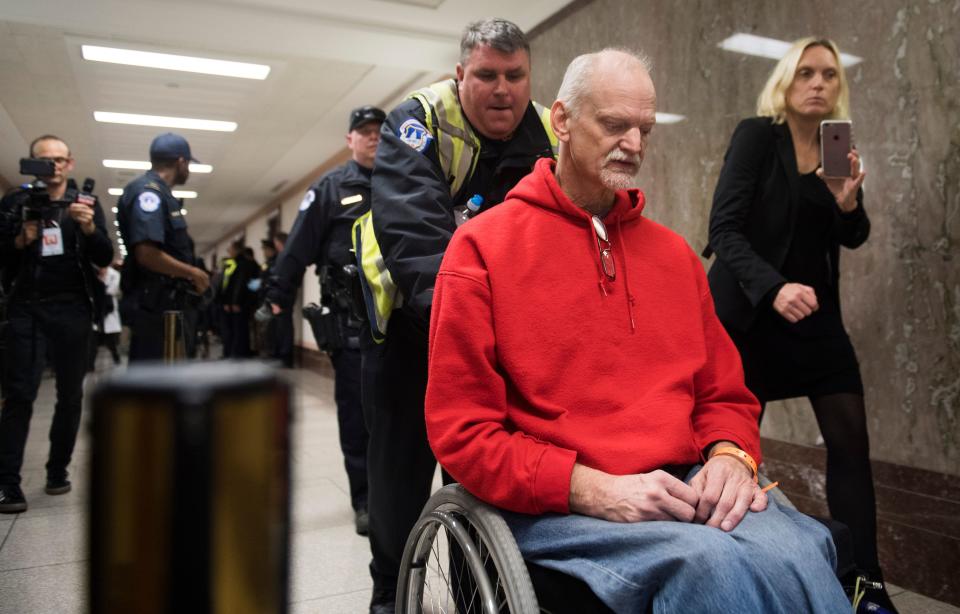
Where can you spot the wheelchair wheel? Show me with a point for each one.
(461, 558)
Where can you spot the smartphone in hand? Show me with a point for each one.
(835, 143)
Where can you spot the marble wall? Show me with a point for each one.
(901, 290)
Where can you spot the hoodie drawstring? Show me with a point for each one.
(626, 277)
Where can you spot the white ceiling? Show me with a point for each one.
(326, 57)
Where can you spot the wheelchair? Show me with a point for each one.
(461, 558)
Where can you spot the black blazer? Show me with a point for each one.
(753, 218)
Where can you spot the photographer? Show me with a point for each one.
(321, 236)
(51, 234)
(160, 272)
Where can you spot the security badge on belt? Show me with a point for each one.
(351, 200)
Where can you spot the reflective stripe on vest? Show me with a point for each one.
(380, 294)
(459, 149)
(230, 265)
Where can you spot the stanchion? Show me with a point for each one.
(174, 347)
(190, 491)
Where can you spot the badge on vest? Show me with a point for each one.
(52, 242)
(351, 200)
(308, 199)
(415, 134)
(149, 202)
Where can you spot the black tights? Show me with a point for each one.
(850, 496)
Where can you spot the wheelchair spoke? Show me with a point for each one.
(437, 597)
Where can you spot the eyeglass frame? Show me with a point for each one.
(607, 262)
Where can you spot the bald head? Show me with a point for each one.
(586, 72)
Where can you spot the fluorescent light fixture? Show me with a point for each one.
(185, 123)
(167, 61)
(116, 223)
(176, 194)
(127, 164)
(772, 48)
(141, 165)
(670, 118)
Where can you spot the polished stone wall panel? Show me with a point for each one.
(901, 290)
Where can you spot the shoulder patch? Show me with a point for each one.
(149, 202)
(308, 199)
(415, 134)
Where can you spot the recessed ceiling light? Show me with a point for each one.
(772, 48)
(185, 63)
(185, 123)
(141, 165)
(670, 118)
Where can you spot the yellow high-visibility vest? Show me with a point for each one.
(459, 149)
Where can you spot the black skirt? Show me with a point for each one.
(811, 358)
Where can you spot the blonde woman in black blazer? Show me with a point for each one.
(776, 227)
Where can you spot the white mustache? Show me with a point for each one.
(618, 155)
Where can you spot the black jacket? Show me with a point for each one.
(321, 232)
(95, 249)
(753, 218)
(413, 216)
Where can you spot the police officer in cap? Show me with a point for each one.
(321, 236)
(47, 250)
(160, 270)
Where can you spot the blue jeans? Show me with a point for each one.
(777, 560)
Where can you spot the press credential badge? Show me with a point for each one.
(52, 242)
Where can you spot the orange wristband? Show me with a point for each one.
(739, 454)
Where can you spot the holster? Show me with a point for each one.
(156, 295)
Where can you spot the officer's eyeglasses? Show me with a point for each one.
(605, 249)
(59, 161)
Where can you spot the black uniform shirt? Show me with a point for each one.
(41, 276)
(321, 232)
(147, 211)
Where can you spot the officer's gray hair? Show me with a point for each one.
(500, 34)
(576, 80)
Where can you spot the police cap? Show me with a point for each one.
(170, 146)
(365, 115)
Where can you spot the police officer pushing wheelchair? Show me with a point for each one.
(159, 273)
(51, 235)
(321, 236)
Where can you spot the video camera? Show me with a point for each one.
(39, 206)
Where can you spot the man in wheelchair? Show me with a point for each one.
(580, 380)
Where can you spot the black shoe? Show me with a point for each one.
(383, 601)
(12, 500)
(361, 520)
(58, 486)
(875, 598)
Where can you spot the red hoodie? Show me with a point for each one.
(538, 360)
